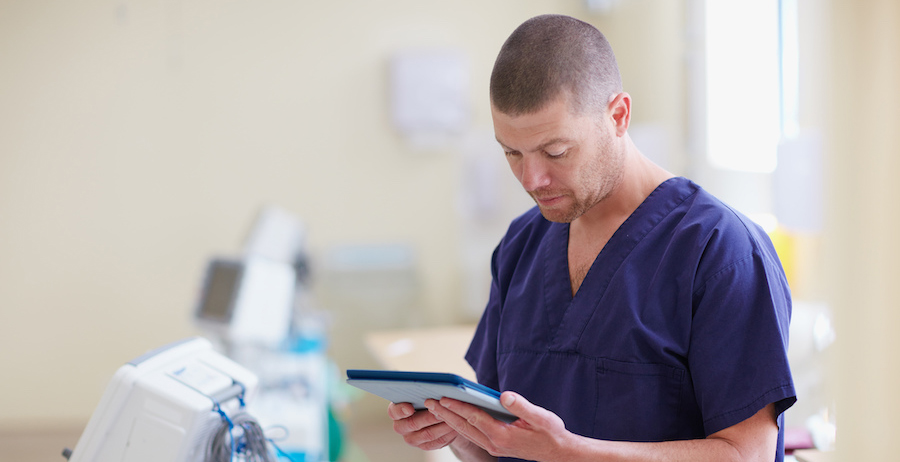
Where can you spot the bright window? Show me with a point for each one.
(747, 96)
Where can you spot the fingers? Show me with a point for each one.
(536, 432)
(467, 420)
(421, 429)
(397, 411)
(448, 408)
(415, 422)
(433, 437)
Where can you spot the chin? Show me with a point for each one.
(558, 216)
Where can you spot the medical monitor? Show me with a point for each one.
(247, 301)
(220, 291)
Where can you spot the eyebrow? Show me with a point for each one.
(540, 147)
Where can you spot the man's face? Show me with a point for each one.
(565, 161)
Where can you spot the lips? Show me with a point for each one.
(547, 200)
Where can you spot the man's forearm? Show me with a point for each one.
(589, 450)
(753, 440)
(712, 450)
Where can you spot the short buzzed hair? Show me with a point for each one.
(547, 55)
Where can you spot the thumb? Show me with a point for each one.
(526, 411)
(515, 403)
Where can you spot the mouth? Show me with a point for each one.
(547, 201)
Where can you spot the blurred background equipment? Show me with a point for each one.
(257, 308)
(168, 405)
(247, 301)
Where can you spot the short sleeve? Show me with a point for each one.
(738, 354)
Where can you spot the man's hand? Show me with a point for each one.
(421, 429)
(537, 435)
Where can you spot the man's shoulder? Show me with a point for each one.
(700, 202)
(698, 208)
(721, 218)
(717, 230)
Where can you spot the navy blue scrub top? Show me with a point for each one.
(679, 329)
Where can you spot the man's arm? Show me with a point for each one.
(541, 435)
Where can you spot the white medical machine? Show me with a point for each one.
(166, 405)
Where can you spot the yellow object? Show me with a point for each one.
(786, 246)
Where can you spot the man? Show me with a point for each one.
(632, 316)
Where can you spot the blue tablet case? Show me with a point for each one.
(416, 387)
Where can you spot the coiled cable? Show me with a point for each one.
(238, 436)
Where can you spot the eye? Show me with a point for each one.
(556, 152)
(512, 153)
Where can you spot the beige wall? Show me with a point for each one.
(137, 139)
(863, 250)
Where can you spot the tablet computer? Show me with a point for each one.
(416, 387)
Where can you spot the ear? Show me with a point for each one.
(619, 109)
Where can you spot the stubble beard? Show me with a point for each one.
(563, 215)
(599, 178)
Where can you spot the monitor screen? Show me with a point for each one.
(221, 286)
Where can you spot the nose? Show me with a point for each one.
(533, 173)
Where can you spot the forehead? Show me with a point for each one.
(555, 122)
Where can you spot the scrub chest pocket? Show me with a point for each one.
(640, 399)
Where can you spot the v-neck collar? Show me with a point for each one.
(567, 315)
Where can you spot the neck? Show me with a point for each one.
(640, 177)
